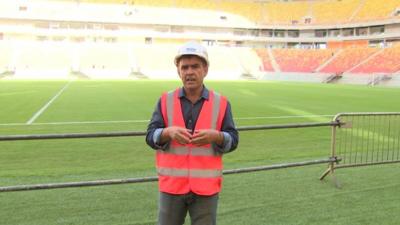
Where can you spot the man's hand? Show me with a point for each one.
(202, 137)
(179, 134)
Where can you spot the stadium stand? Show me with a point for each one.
(209, 5)
(250, 63)
(233, 63)
(347, 59)
(246, 39)
(6, 57)
(334, 11)
(387, 61)
(103, 61)
(250, 10)
(301, 60)
(155, 60)
(266, 62)
(284, 13)
(271, 12)
(377, 10)
(42, 60)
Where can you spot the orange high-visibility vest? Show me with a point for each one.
(185, 168)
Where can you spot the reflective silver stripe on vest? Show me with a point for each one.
(205, 173)
(170, 107)
(215, 110)
(175, 150)
(189, 173)
(173, 172)
(195, 151)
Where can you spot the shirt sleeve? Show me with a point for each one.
(155, 128)
(231, 135)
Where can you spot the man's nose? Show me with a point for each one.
(190, 70)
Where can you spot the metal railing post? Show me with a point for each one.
(331, 167)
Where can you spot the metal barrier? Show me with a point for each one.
(152, 179)
(358, 139)
(362, 139)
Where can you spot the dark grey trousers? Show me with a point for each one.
(173, 209)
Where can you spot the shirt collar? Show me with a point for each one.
(204, 93)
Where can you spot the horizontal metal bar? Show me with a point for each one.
(365, 164)
(152, 179)
(336, 117)
(281, 166)
(76, 184)
(285, 126)
(71, 135)
(143, 133)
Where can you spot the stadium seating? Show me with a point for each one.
(377, 9)
(250, 10)
(6, 56)
(260, 12)
(248, 59)
(156, 60)
(102, 60)
(347, 59)
(284, 12)
(266, 62)
(224, 65)
(333, 11)
(125, 52)
(42, 60)
(209, 5)
(301, 60)
(387, 61)
(327, 12)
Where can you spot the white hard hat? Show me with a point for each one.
(192, 48)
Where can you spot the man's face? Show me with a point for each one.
(192, 70)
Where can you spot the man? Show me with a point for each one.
(191, 128)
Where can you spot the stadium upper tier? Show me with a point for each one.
(283, 12)
(223, 13)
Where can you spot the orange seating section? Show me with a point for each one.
(348, 58)
(353, 60)
(301, 60)
(266, 61)
(388, 61)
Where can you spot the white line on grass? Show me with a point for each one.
(146, 121)
(38, 113)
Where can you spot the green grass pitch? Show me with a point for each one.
(369, 195)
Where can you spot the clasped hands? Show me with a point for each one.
(185, 136)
